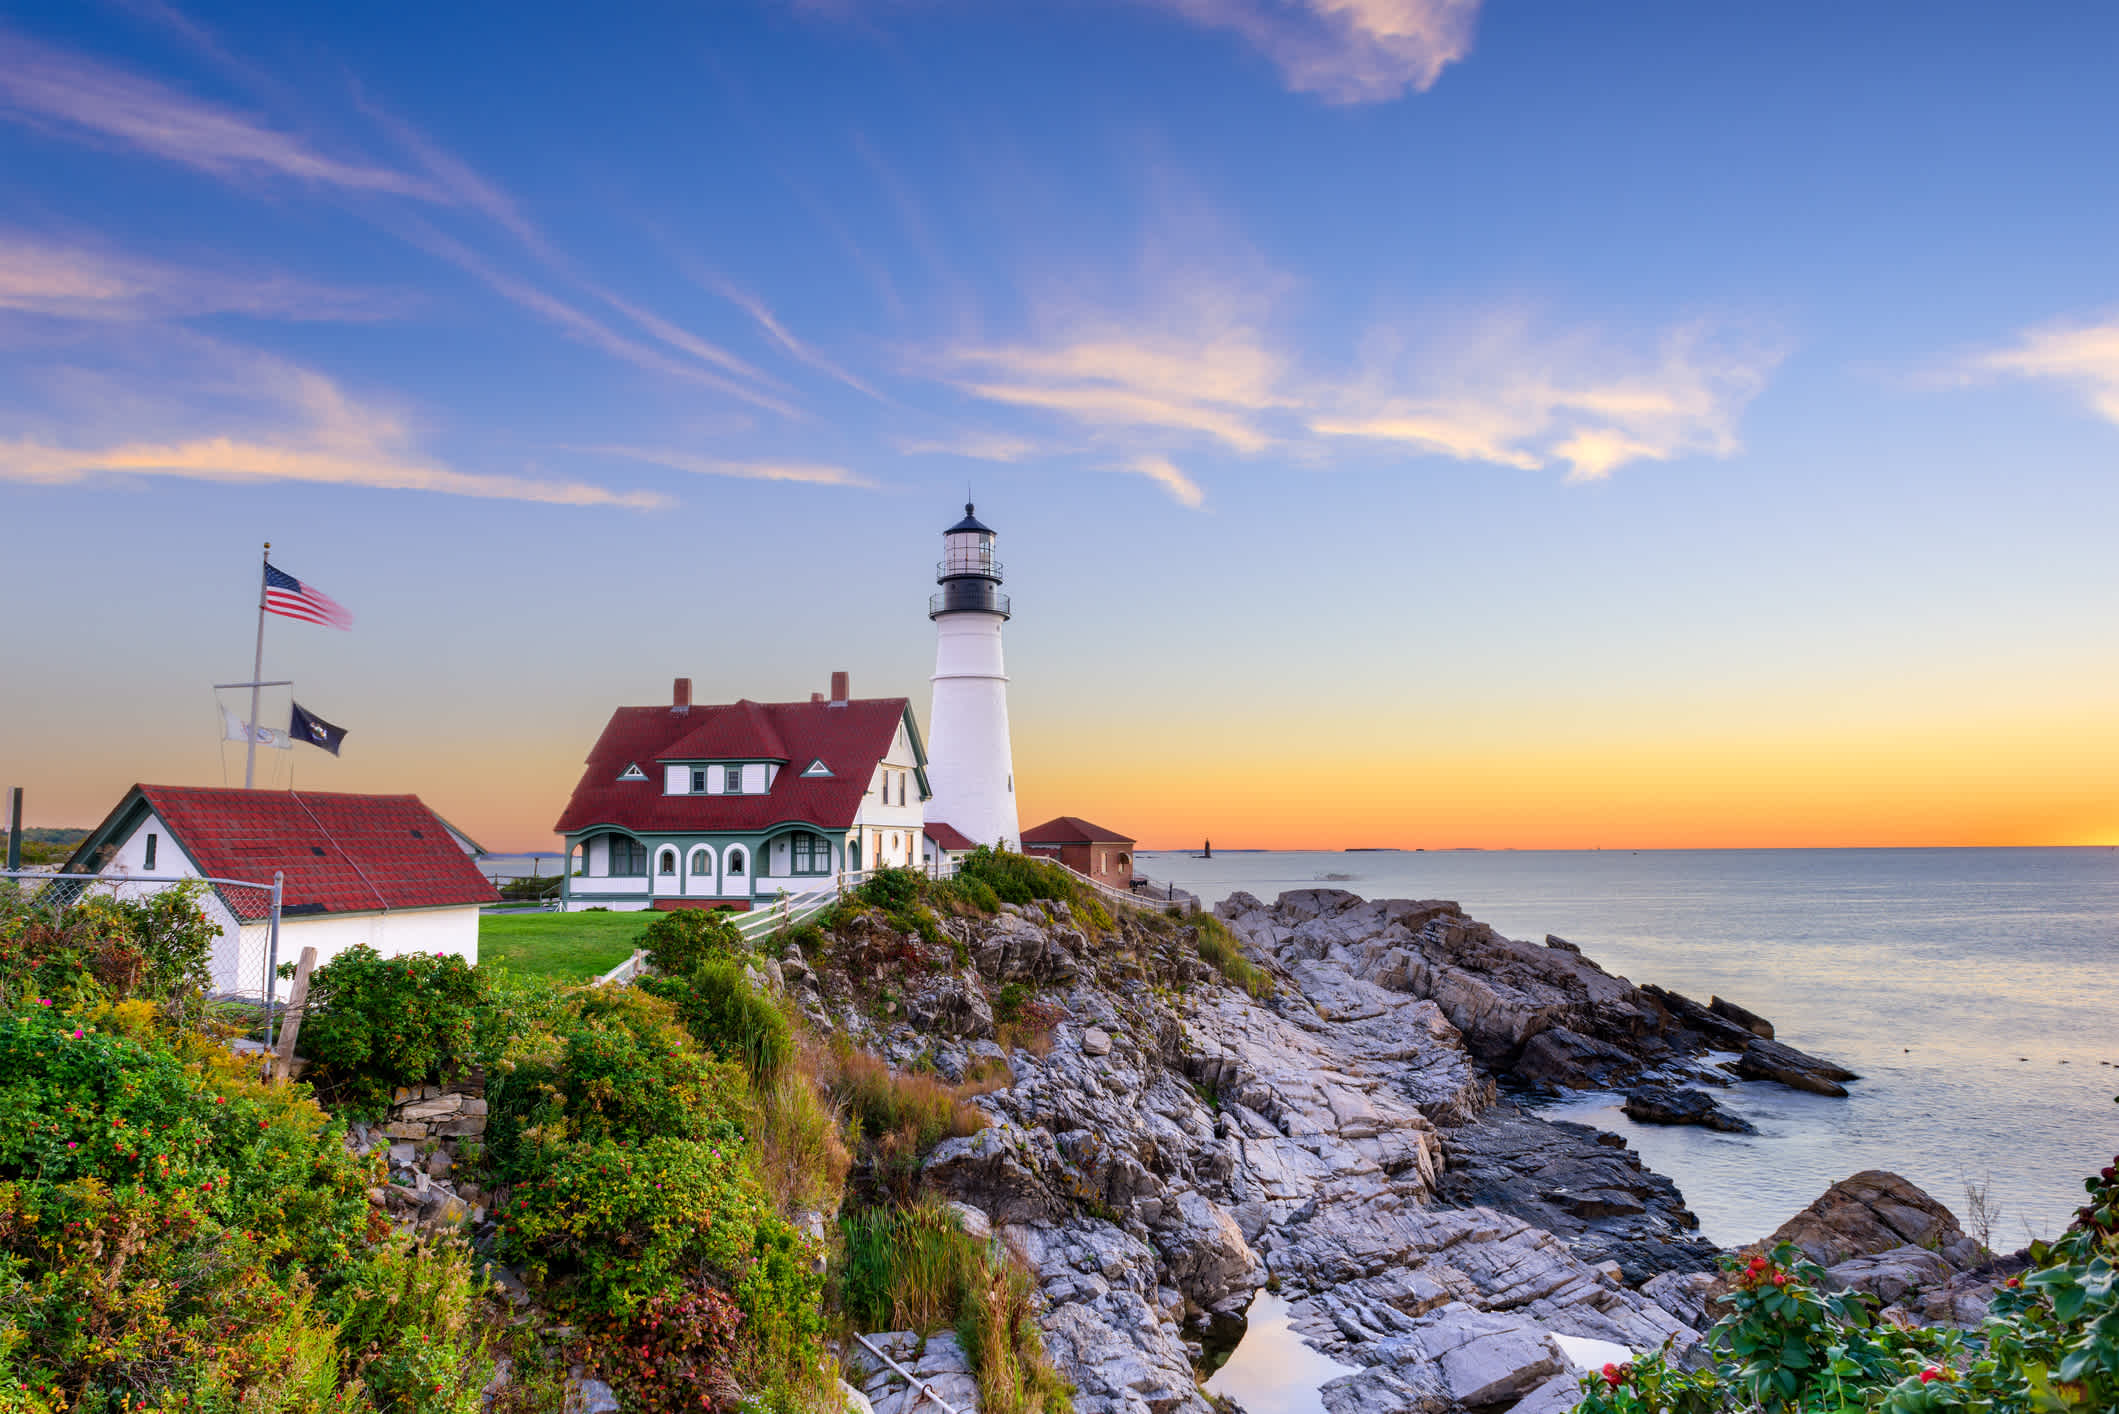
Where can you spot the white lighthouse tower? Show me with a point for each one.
(970, 766)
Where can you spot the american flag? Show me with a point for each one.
(284, 594)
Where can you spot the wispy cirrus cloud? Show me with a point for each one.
(302, 427)
(2081, 355)
(1495, 389)
(84, 280)
(51, 87)
(762, 315)
(807, 473)
(1511, 395)
(1346, 51)
(975, 446)
(1165, 473)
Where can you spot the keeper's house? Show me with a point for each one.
(383, 870)
(694, 806)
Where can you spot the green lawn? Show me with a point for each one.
(567, 947)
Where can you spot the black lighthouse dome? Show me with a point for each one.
(969, 574)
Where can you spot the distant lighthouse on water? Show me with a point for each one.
(970, 765)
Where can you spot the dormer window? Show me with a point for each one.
(732, 780)
(632, 773)
(698, 780)
(816, 769)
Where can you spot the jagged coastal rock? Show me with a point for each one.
(1178, 1144)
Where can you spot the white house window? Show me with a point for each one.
(732, 780)
(701, 864)
(737, 863)
(628, 858)
(150, 861)
(812, 854)
(666, 863)
(901, 787)
(698, 780)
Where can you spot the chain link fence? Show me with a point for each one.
(246, 912)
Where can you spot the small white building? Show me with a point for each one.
(383, 870)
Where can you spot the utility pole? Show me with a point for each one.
(14, 830)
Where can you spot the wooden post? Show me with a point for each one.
(283, 1064)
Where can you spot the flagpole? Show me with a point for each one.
(257, 671)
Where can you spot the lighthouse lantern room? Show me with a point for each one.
(970, 766)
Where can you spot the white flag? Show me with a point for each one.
(239, 730)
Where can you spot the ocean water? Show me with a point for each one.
(1975, 990)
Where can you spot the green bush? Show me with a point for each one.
(2050, 1342)
(231, 1200)
(617, 1068)
(727, 1015)
(375, 1023)
(156, 948)
(1017, 878)
(406, 1314)
(892, 890)
(681, 939)
(611, 1226)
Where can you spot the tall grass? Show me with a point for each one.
(801, 1156)
(915, 1268)
(920, 1106)
(1219, 946)
(907, 1269)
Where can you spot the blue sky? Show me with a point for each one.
(1718, 406)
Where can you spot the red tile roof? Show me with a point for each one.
(949, 837)
(339, 853)
(848, 737)
(1073, 829)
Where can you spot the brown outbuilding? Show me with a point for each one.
(1104, 855)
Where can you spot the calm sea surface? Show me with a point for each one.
(1975, 990)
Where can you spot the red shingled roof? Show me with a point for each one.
(741, 732)
(949, 837)
(1073, 829)
(848, 737)
(339, 853)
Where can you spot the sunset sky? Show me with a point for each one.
(1407, 422)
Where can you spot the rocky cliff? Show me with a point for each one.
(1168, 1144)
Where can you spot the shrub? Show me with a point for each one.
(1017, 878)
(892, 890)
(612, 1226)
(681, 939)
(2050, 1341)
(678, 1353)
(156, 948)
(975, 892)
(619, 1068)
(224, 1196)
(375, 1023)
(407, 1327)
(727, 1015)
(1008, 1003)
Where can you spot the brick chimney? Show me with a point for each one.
(841, 688)
(816, 697)
(680, 697)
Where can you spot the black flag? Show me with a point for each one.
(315, 730)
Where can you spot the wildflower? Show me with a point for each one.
(1930, 1375)
(1780, 1278)
(44, 1001)
(1612, 1376)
